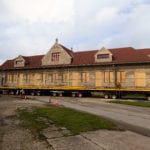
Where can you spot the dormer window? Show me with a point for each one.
(102, 56)
(55, 56)
(19, 62)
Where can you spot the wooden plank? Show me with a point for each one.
(37, 79)
(98, 79)
(140, 79)
(75, 77)
(20, 79)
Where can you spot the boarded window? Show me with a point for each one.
(75, 77)
(9, 77)
(121, 76)
(37, 78)
(140, 79)
(65, 77)
(46, 77)
(20, 78)
(54, 77)
(29, 78)
(84, 77)
(108, 76)
(14, 77)
(98, 79)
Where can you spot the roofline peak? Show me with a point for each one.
(56, 40)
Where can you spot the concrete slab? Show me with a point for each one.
(51, 128)
(73, 143)
(66, 132)
(52, 132)
(117, 140)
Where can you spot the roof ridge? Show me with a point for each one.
(122, 48)
(85, 51)
(33, 55)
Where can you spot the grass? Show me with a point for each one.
(75, 121)
(133, 103)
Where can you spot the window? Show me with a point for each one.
(15, 77)
(65, 77)
(140, 78)
(108, 77)
(46, 77)
(28, 78)
(54, 77)
(102, 56)
(9, 78)
(19, 62)
(84, 76)
(121, 76)
(55, 56)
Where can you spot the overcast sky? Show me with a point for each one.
(30, 27)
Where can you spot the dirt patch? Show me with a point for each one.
(12, 135)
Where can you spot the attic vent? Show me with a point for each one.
(102, 56)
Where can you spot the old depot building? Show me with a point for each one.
(64, 70)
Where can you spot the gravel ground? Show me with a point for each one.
(15, 137)
(12, 135)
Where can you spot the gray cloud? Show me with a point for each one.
(80, 24)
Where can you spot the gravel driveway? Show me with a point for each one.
(15, 137)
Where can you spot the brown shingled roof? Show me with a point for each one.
(31, 62)
(84, 57)
(120, 55)
(8, 64)
(67, 50)
(145, 52)
(128, 54)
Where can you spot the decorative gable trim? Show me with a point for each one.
(19, 61)
(103, 55)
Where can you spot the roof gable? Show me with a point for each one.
(31, 62)
(103, 55)
(57, 55)
(19, 61)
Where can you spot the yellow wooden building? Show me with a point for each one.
(62, 70)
